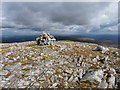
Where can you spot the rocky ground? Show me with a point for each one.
(65, 64)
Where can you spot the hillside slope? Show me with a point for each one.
(66, 64)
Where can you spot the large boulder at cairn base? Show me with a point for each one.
(45, 39)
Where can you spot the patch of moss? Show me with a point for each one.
(12, 55)
(18, 60)
(94, 66)
(117, 62)
(28, 58)
(58, 73)
(59, 78)
(3, 53)
(44, 84)
(51, 46)
(94, 83)
(104, 78)
(107, 71)
(85, 84)
(6, 76)
(23, 75)
(61, 85)
(26, 69)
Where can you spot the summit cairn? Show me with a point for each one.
(45, 39)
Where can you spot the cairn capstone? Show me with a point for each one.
(45, 39)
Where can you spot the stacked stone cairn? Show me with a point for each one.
(45, 39)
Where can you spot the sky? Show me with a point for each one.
(59, 17)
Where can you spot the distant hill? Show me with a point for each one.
(107, 40)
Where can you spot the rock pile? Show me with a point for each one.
(45, 39)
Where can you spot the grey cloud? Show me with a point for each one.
(119, 12)
(65, 17)
(77, 13)
(45, 14)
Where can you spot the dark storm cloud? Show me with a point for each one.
(62, 16)
(119, 12)
(77, 13)
(43, 14)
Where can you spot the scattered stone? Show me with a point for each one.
(104, 60)
(21, 84)
(41, 54)
(111, 81)
(94, 60)
(4, 72)
(55, 85)
(80, 72)
(78, 64)
(92, 76)
(112, 70)
(61, 62)
(100, 48)
(48, 62)
(27, 83)
(75, 79)
(118, 82)
(69, 71)
(71, 78)
(37, 84)
(97, 57)
(103, 84)
(116, 53)
(1, 66)
(42, 79)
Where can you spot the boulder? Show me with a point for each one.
(111, 81)
(71, 78)
(101, 49)
(103, 84)
(104, 60)
(93, 75)
(81, 71)
(45, 39)
(54, 85)
(112, 70)
(118, 82)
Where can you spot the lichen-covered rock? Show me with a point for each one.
(45, 39)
